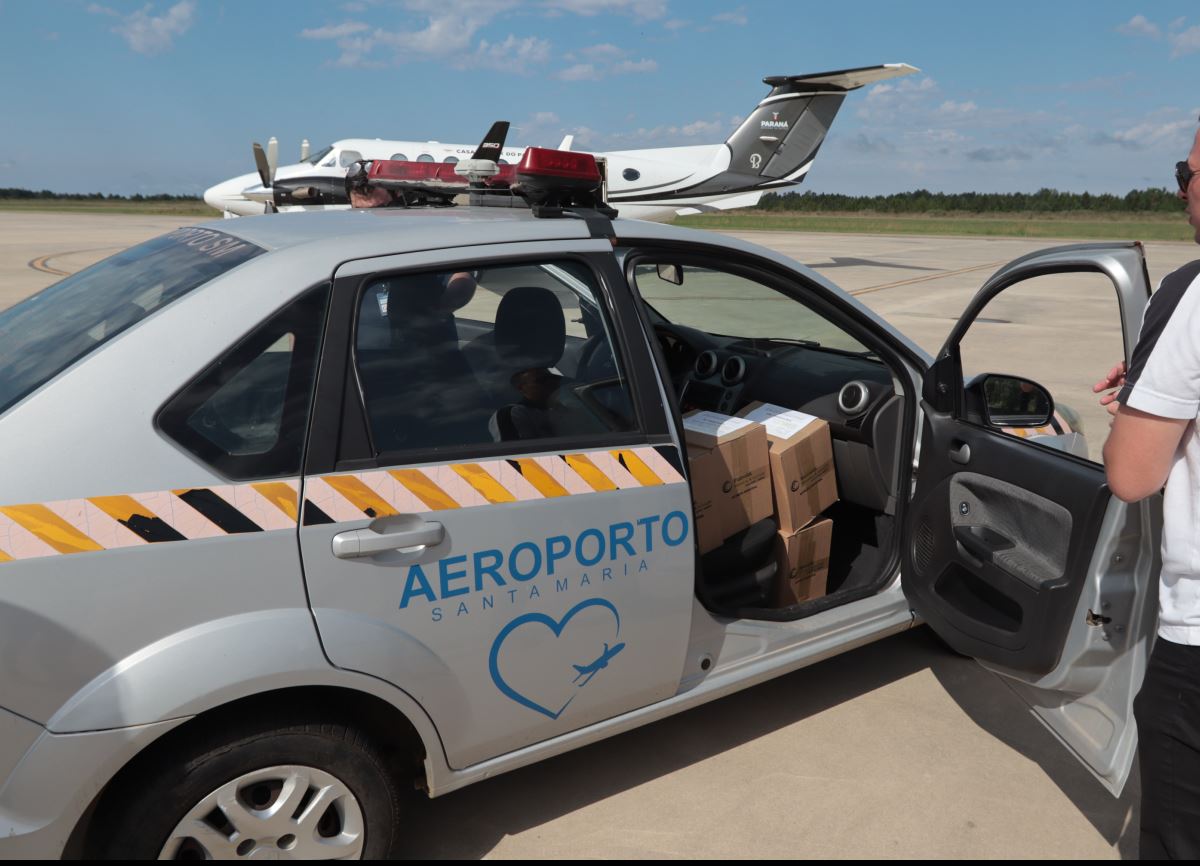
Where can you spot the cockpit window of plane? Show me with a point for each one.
(347, 158)
(319, 155)
(424, 158)
(399, 156)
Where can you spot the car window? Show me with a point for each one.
(1021, 332)
(731, 305)
(247, 414)
(43, 335)
(512, 353)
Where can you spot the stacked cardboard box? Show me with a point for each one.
(804, 485)
(731, 475)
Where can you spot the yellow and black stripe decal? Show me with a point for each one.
(114, 521)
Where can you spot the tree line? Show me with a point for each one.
(923, 201)
(30, 194)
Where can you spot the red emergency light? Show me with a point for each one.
(565, 164)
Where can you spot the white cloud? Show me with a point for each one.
(950, 108)
(447, 33)
(1185, 41)
(642, 9)
(150, 34)
(628, 66)
(1182, 41)
(1150, 133)
(335, 31)
(737, 16)
(676, 23)
(580, 72)
(602, 51)
(514, 54)
(1138, 25)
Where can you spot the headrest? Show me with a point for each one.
(531, 330)
(418, 301)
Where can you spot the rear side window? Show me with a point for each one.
(516, 354)
(43, 335)
(247, 414)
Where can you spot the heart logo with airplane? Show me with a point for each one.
(542, 663)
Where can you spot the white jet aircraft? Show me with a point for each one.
(772, 149)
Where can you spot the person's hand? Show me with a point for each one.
(1111, 384)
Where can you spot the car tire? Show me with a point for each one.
(300, 791)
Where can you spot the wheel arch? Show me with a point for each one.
(383, 721)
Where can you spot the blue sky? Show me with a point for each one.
(128, 97)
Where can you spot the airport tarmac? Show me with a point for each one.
(900, 749)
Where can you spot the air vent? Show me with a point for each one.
(853, 398)
(734, 370)
(706, 363)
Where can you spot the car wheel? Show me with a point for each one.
(304, 792)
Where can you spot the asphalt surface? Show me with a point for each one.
(900, 749)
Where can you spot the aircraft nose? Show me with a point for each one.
(227, 196)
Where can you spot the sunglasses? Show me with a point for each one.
(1184, 174)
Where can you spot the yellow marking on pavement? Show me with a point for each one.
(925, 278)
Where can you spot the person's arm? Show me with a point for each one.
(1140, 451)
(1159, 393)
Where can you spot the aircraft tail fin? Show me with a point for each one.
(780, 138)
(493, 142)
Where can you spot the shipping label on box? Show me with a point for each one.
(741, 463)
(802, 468)
(802, 563)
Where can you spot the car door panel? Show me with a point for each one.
(1017, 554)
(1002, 542)
(540, 589)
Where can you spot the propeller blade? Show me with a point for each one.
(264, 170)
(272, 156)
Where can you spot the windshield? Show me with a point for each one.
(43, 335)
(730, 305)
(319, 155)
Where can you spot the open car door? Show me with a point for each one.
(1017, 554)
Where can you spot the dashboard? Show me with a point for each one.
(853, 392)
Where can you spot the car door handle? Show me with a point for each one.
(368, 542)
(960, 452)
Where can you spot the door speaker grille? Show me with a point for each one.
(923, 547)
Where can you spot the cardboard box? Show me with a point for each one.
(802, 470)
(802, 563)
(740, 467)
(706, 488)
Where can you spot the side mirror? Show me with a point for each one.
(671, 273)
(1013, 402)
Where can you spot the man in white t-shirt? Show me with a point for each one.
(1155, 442)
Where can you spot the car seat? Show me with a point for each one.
(420, 391)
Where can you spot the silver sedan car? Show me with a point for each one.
(303, 514)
